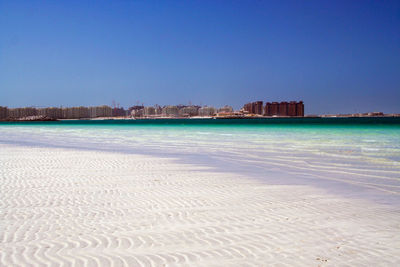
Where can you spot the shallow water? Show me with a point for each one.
(357, 158)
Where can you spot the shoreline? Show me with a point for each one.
(394, 120)
(290, 175)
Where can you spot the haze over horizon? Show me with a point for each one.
(336, 56)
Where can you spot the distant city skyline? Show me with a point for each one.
(336, 56)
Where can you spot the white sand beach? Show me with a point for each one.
(73, 207)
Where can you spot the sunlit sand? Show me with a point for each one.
(89, 208)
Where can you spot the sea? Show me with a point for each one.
(351, 157)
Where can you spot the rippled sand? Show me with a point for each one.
(89, 208)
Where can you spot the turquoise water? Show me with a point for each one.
(364, 154)
(250, 121)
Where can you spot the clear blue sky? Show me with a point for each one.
(336, 56)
